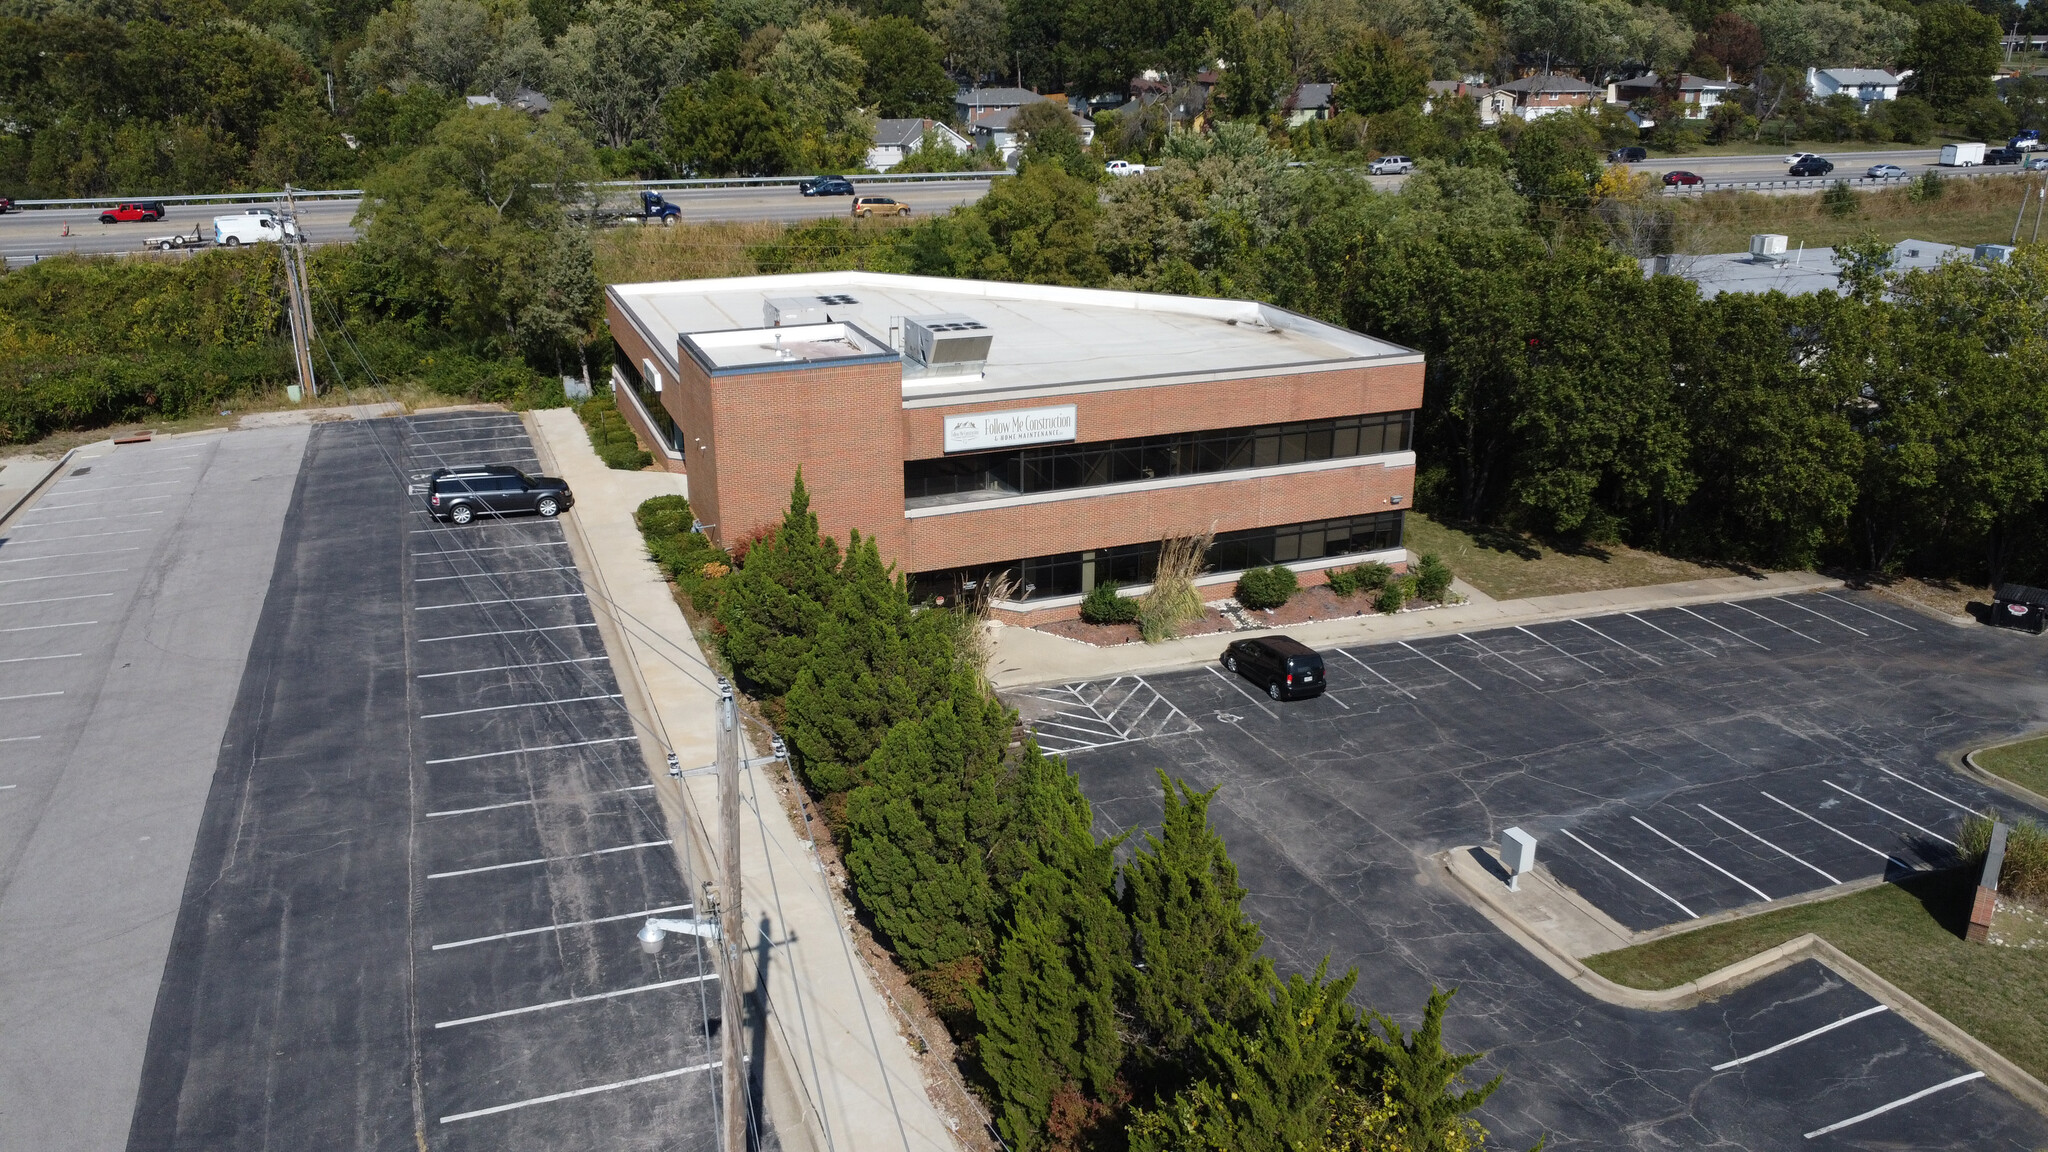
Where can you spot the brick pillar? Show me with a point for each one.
(1980, 915)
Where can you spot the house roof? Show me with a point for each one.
(993, 120)
(1858, 77)
(898, 133)
(1446, 87)
(997, 97)
(1802, 273)
(1687, 82)
(1534, 85)
(1311, 96)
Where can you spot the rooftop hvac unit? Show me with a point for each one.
(788, 311)
(1767, 246)
(1993, 253)
(946, 339)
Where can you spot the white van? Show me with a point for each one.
(251, 227)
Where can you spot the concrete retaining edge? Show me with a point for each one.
(1995, 1067)
(1968, 766)
(36, 489)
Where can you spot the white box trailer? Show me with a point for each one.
(252, 227)
(1961, 155)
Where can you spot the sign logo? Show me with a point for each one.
(2016, 609)
(970, 432)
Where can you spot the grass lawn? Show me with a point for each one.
(1909, 933)
(2024, 763)
(1511, 565)
(1971, 210)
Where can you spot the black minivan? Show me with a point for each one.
(463, 494)
(1285, 667)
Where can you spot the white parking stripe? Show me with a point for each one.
(668, 1075)
(1369, 668)
(1702, 859)
(1766, 843)
(1843, 835)
(86, 519)
(40, 627)
(508, 667)
(1490, 652)
(1926, 789)
(527, 803)
(55, 599)
(549, 859)
(564, 927)
(1801, 1038)
(566, 1002)
(1722, 627)
(26, 659)
(1768, 620)
(1822, 615)
(1617, 643)
(16, 740)
(541, 748)
(526, 704)
(63, 555)
(505, 632)
(1631, 875)
(1680, 639)
(1438, 663)
(1594, 667)
(1256, 702)
(492, 575)
(62, 576)
(1872, 611)
(482, 603)
(13, 544)
(29, 696)
(1890, 813)
(494, 548)
(1900, 1102)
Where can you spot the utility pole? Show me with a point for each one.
(732, 926)
(296, 290)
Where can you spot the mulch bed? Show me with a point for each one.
(1317, 603)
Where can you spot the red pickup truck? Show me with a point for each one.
(144, 210)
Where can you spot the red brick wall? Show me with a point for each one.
(632, 346)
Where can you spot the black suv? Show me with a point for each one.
(826, 186)
(2003, 155)
(1629, 155)
(1813, 166)
(463, 494)
(1283, 666)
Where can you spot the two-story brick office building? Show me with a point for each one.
(1058, 433)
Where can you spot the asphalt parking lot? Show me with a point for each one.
(1671, 763)
(410, 919)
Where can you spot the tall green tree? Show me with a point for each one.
(905, 74)
(1423, 1080)
(616, 63)
(1376, 73)
(774, 603)
(727, 126)
(1953, 55)
(1196, 951)
(1259, 72)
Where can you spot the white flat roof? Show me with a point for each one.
(1801, 272)
(1045, 338)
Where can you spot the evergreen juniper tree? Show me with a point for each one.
(1421, 1078)
(772, 606)
(1196, 951)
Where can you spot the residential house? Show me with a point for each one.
(1309, 102)
(897, 139)
(1696, 94)
(971, 103)
(1494, 104)
(1866, 85)
(1539, 96)
(995, 129)
(524, 99)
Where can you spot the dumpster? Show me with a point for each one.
(2022, 607)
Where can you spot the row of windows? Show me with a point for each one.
(664, 424)
(985, 475)
(1072, 573)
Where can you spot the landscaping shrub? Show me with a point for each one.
(1395, 595)
(1362, 578)
(610, 435)
(1105, 605)
(1267, 587)
(1839, 199)
(1928, 187)
(1432, 578)
(688, 558)
(1173, 603)
(2024, 875)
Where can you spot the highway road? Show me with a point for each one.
(31, 233)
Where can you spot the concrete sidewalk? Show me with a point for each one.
(839, 1074)
(1027, 656)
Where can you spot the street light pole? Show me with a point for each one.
(731, 917)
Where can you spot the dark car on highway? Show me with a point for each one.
(463, 494)
(1285, 667)
(143, 210)
(6, 205)
(2003, 155)
(826, 186)
(1812, 166)
(1681, 179)
(1629, 155)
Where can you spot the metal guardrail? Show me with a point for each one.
(623, 185)
(1825, 182)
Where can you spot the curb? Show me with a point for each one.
(2001, 1071)
(1968, 766)
(34, 490)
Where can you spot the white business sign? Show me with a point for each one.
(968, 432)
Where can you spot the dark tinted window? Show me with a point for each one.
(453, 488)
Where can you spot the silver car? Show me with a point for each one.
(1885, 172)
(1392, 166)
